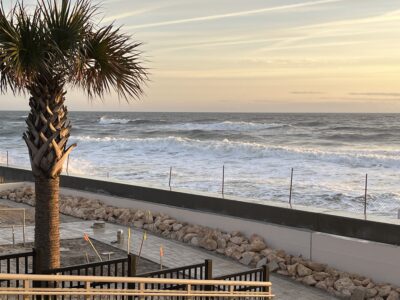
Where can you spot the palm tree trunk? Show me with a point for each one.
(46, 138)
(47, 234)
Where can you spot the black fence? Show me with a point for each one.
(260, 274)
(17, 263)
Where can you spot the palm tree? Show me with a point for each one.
(43, 50)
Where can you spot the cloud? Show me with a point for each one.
(235, 14)
(306, 93)
(376, 94)
(128, 14)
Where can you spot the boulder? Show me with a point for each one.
(358, 294)
(221, 242)
(384, 291)
(292, 269)
(247, 257)
(309, 280)
(194, 241)
(188, 237)
(256, 238)
(393, 295)
(177, 227)
(138, 215)
(320, 276)
(257, 246)
(317, 267)
(321, 285)
(138, 224)
(344, 283)
(303, 270)
(261, 262)
(238, 240)
(273, 266)
(209, 244)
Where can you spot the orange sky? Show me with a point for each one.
(259, 55)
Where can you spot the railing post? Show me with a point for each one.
(132, 261)
(265, 277)
(26, 288)
(208, 275)
(87, 288)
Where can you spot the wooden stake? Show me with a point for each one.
(128, 246)
(144, 237)
(86, 237)
(161, 257)
(87, 257)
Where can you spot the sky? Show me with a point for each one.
(257, 56)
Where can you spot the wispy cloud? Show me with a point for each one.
(128, 14)
(236, 14)
(376, 94)
(307, 93)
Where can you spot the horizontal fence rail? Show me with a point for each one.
(194, 289)
(259, 275)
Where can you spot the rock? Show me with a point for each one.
(12, 196)
(317, 267)
(247, 257)
(193, 229)
(194, 241)
(188, 237)
(273, 257)
(236, 233)
(309, 280)
(273, 266)
(256, 238)
(236, 240)
(257, 246)
(266, 252)
(163, 226)
(177, 226)
(220, 251)
(303, 270)
(261, 262)
(384, 291)
(343, 283)
(221, 242)
(321, 285)
(292, 269)
(236, 255)
(209, 244)
(372, 292)
(138, 224)
(358, 294)
(138, 215)
(393, 295)
(320, 276)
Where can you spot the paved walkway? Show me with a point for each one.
(176, 254)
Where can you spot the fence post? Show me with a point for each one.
(170, 175)
(365, 195)
(223, 180)
(290, 190)
(208, 274)
(132, 260)
(265, 277)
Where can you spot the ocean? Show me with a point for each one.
(329, 153)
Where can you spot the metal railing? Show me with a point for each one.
(16, 263)
(194, 289)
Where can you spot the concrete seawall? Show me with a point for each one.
(319, 220)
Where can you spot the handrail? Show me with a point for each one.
(142, 291)
(167, 271)
(16, 255)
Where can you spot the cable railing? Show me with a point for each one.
(366, 203)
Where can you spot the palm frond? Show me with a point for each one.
(22, 47)
(110, 61)
(67, 24)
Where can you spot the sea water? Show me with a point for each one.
(330, 154)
